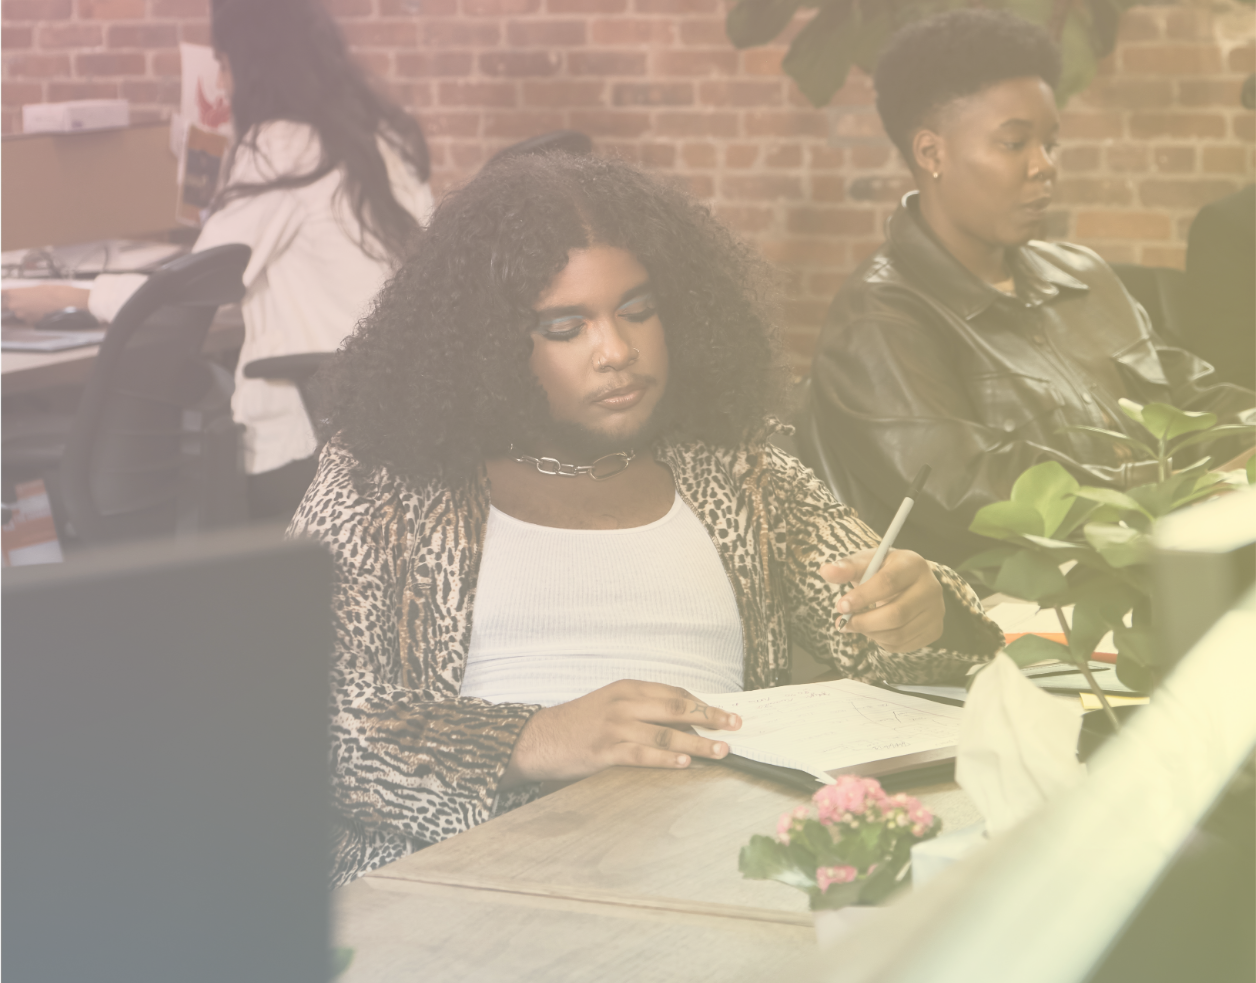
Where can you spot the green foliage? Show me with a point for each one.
(845, 33)
(1051, 519)
(341, 956)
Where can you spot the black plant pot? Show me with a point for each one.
(1097, 728)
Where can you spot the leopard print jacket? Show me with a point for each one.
(414, 762)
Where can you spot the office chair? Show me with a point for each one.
(300, 369)
(152, 449)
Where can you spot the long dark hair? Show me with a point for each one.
(289, 61)
(436, 377)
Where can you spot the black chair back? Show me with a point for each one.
(153, 450)
(1163, 293)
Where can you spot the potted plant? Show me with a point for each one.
(1103, 536)
(850, 846)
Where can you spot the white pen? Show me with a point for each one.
(887, 541)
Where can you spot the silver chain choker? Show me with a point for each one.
(598, 470)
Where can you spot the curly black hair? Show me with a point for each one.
(936, 60)
(436, 377)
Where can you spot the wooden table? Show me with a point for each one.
(628, 875)
(24, 372)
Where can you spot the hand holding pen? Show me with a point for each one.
(897, 601)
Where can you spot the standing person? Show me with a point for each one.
(965, 342)
(327, 184)
(556, 512)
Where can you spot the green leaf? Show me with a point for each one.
(341, 956)
(1088, 627)
(1251, 470)
(1048, 489)
(1138, 663)
(764, 859)
(988, 558)
(1028, 649)
(1114, 436)
(1120, 545)
(1061, 549)
(822, 53)
(1165, 422)
(1110, 496)
(1215, 433)
(1006, 520)
(753, 22)
(1131, 409)
(1031, 576)
(1079, 512)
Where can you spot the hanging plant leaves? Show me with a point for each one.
(821, 55)
(1006, 520)
(1048, 489)
(1031, 576)
(753, 22)
(1119, 545)
(1165, 422)
(1137, 663)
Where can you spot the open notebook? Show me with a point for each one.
(837, 727)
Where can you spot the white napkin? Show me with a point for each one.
(1017, 745)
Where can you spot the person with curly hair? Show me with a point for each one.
(966, 342)
(557, 419)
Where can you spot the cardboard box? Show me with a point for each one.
(72, 117)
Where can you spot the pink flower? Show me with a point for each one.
(849, 796)
(834, 875)
(785, 825)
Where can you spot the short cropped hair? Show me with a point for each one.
(934, 61)
(437, 376)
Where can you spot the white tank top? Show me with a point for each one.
(562, 612)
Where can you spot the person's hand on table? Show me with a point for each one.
(29, 304)
(901, 608)
(626, 723)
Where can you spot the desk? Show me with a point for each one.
(627, 875)
(24, 372)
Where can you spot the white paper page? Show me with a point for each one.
(1016, 617)
(820, 727)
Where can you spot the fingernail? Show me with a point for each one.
(682, 760)
(720, 749)
(734, 721)
(843, 605)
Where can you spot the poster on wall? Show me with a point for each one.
(201, 132)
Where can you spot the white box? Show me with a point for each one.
(71, 117)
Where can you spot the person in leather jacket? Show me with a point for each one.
(966, 343)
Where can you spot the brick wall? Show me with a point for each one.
(1158, 134)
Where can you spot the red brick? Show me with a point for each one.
(713, 62)
(1223, 93)
(1171, 59)
(887, 188)
(499, 8)
(520, 125)
(412, 95)
(610, 123)
(802, 343)
(1224, 160)
(1171, 256)
(1146, 126)
(871, 157)
(10, 121)
(676, 123)
(677, 6)
(411, 8)
(1123, 225)
(827, 158)
(545, 33)
(68, 35)
(1174, 160)
(468, 155)
(586, 6)
(564, 92)
(185, 9)
(861, 250)
(1074, 159)
(783, 155)
(1091, 126)
(165, 91)
(829, 221)
(1244, 127)
(631, 30)
(658, 154)
(828, 187)
(1115, 252)
(652, 94)
(65, 91)
(741, 155)
(763, 61)
(1130, 93)
(195, 34)
(16, 38)
(1127, 157)
(451, 124)
(740, 93)
(805, 312)
(458, 34)
(1093, 191)
(1191, 194)
(381, 33)
(1139, 25)
(19, 10)
(698, 154)
(786, 123)
(373, 61)
(1193, 24)
(111, 9)
(434, 63)
(623, 151)
(477, 94)
(825, 284)
(166, 63)
(142, 36)
(20, 93)
(520, 63)
(761, 187)
(606, 63)
(698, 185)
(37, 66)
(1242, 59)
(745, 218)
(703, 31)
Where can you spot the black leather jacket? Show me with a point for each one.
(920, 362)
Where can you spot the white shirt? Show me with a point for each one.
(562, 612)
(307, 284)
